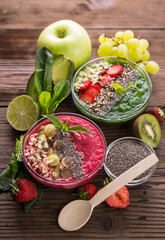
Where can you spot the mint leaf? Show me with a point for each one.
(65, 127)
(55, 120)
(77, 128)
(119, 89)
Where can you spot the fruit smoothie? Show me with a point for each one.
(110, 88)
(68, 157)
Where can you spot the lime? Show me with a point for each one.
(22, 112)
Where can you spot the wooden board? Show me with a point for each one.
(20, 24)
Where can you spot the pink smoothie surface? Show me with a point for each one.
(93, 147)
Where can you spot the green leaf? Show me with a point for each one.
(28, 206)
(5, 179)
(55, 120)
(61, 91)
(43, 71)
(138, 93)
(77, 128)
(65, 127)
(45, 100)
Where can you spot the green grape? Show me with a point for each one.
(145, 56)
(119, 36)
(114, 51)
(110, 40)
(142, 65)
(132, 43)
(128, 34)
(122, 51)
(152, 67)
(135, 55)
(102, 38)
(143, 44)
(104, 49)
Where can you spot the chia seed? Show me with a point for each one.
(125, 154)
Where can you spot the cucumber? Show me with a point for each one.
(30, 88)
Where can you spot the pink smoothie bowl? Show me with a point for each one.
(92, 146)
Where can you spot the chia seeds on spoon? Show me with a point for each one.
(125, 154)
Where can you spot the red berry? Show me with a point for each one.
(103, 71)
(85, 85)
(26, 191)
(106, 79)
(158, 113)
(115, 70)
(87, 191)
(119, 199)
(97, 85)
(93, 90)
(88, 98)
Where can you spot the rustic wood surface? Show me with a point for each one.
(20, 24)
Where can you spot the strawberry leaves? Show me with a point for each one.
(64, 127)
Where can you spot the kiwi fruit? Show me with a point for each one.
(148, 129)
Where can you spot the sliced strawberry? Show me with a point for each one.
(106, 79)
(80, 93)
(103, 71)
(115, 70)
(88, 98)
(119, 199)
(93, 90)
(85, 85)
(97, 85)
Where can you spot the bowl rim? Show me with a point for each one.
(64, 183)
(144, 143)
(110, 119)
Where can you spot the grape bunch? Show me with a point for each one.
(125, 45)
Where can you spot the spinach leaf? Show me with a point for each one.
(61, 91)
(5, 179)
(43, 71)
(44, 101)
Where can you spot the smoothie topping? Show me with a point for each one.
(102, 99)
(51, 152)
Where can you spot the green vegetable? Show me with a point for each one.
(17, 170)
(49, 96)
(122, 89)
(64, 127)
(43, 71)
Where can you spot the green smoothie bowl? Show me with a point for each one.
(111, 89)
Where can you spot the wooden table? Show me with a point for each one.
(20, 25)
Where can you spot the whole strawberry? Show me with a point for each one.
(24, 190)
(158, 113)
(87, 191)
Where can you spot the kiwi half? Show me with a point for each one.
(148, 129)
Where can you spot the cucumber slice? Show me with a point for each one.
(62, 69)
(30, 88)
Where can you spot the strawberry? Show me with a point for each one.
(103, 71)
(158, 113)
(85, 85)
(24, 190)
(115, 70)
(94, 90)
(106, 79)
(88, 98)
(119, 199)
(97, 85)
(87, 191)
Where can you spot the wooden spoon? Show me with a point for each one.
(75, 214)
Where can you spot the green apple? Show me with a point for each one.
(68, 38)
